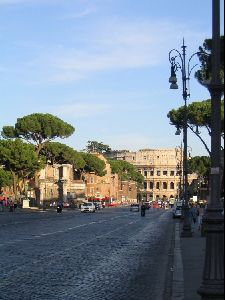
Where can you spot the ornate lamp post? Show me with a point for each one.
(213, 275)
(178, 61)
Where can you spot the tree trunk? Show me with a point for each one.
(14, 184)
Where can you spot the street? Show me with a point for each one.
(108, 255)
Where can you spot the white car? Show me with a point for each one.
(177, 212)
(134, 207)
(87, 207)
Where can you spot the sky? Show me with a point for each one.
(101, 66)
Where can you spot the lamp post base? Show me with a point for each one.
(212, 291)
(187, 231)
(213, 276)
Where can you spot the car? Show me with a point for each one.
(66, 205)
(98, 205)
(87, 207)
(177, 212)
(134, 207)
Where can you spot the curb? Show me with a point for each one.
(178, 270)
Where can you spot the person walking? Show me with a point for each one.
(192, 217)
(11, 206)
(1, 206)
(200, 212)
(143, 208)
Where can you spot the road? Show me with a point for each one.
(113, 254)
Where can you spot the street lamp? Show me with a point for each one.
(178, 61)
(213, 275)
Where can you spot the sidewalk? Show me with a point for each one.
(189, 256)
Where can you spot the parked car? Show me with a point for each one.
(87, 207)
(134, 207)
(177, 212)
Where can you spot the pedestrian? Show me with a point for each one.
(1, 206)
(143, 208)
(200, 212)
(11, 206)
(192, 217)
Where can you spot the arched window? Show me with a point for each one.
(165, 185)
(172, 185)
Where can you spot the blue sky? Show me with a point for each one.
(100, 65)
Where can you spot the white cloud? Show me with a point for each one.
(119, 46)
(81, 110)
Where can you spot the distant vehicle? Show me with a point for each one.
(155, 205)
(178, 203)
(177, 212)
(87, 207)
(147, 205)
(134, 207)
(98, 205)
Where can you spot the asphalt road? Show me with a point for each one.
(113, 254)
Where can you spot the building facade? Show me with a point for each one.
(56, 182)
(109, 186)
(161, 168)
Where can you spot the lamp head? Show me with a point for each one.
(173, 78)
(178, 132)
(174, 86)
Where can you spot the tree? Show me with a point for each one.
(199, 116)
(200, 165)
(59, 153)
(19, 159)
(126, 171)
(93, 164)
(5, 179)
(97, 147)
(38, 129)
(205, 56)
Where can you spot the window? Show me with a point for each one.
(172, 185)
(151, 185)
(157, 185)
(145, 173)
(158, 173)
(172, 173)
(165, 185)
(91, 180)
(152, 172)
(145, 185)
(165, 172)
